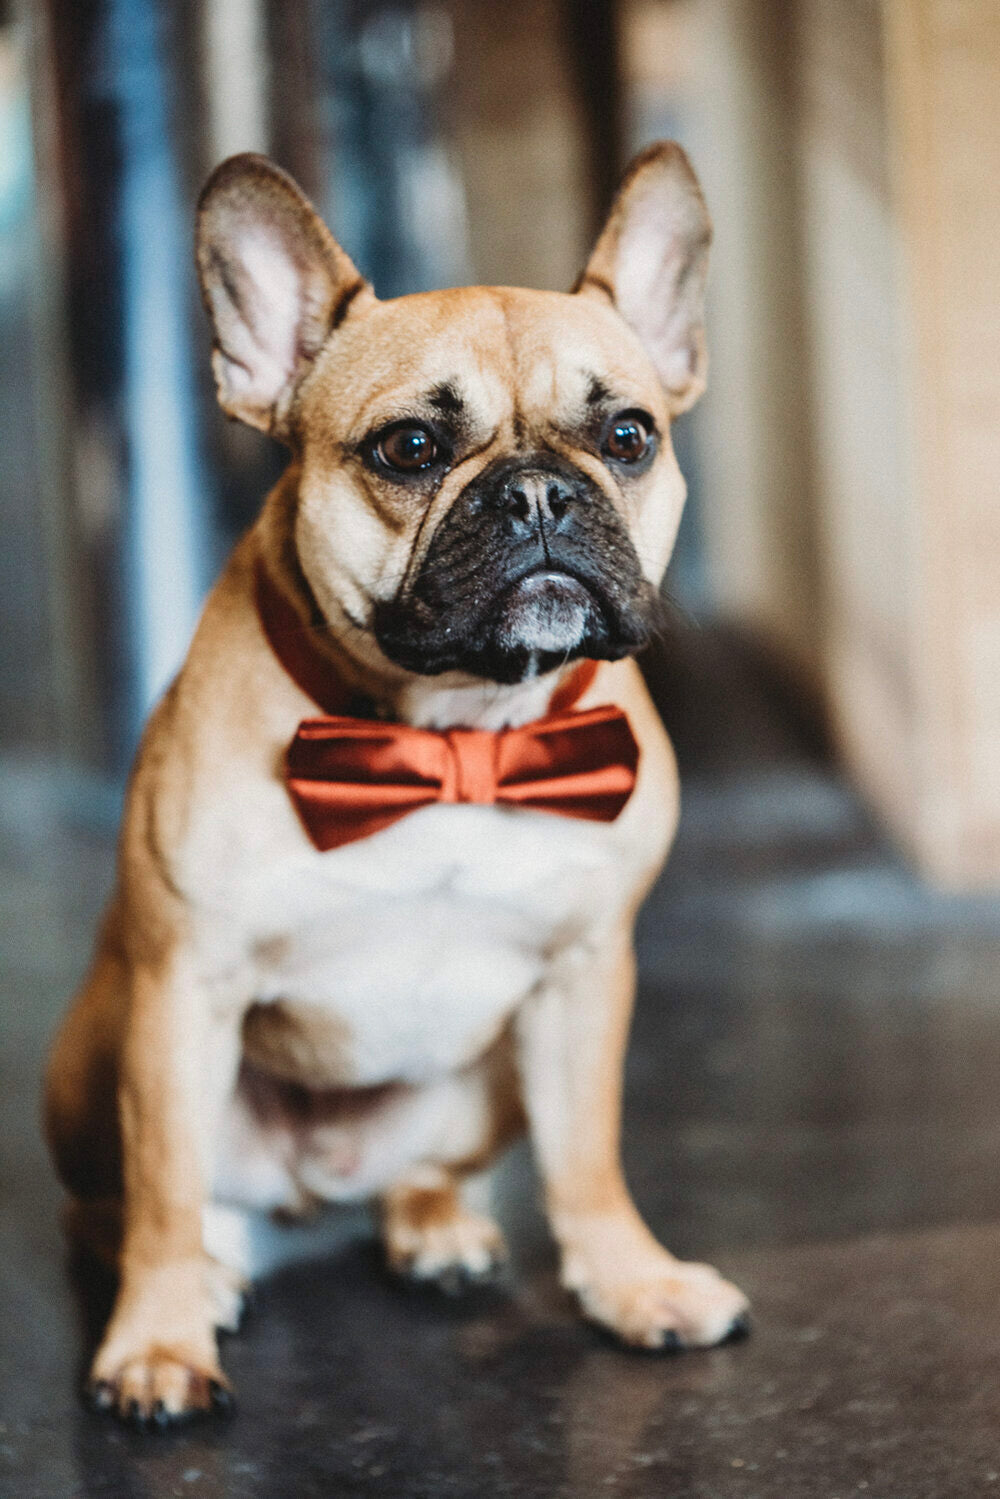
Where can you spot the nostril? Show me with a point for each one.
(518, 503)
(557, 500)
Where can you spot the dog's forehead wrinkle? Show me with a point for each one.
(561, 379)
(494, 357)
(517, 421)
(547, 381)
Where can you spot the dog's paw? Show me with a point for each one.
(677, 1305)
(158, 1389)
(454, 1253)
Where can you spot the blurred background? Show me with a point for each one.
(843, 468)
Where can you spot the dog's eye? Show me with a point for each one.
(627, 439)
(407, 449)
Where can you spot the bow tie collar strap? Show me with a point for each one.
(293, 641)
(350, 777)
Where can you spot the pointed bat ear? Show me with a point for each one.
(275, 284)
(651, 262)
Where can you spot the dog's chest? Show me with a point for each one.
(403, 955)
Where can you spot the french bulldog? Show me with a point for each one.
(388, 830)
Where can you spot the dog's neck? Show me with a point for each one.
(334, 673)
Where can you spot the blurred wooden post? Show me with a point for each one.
(852, 155)
(918, 707)
(943, 70)
(855, 319)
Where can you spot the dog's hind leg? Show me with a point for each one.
(81, 1080)
(409, 1148)
(432, 1235)
(430, 1232)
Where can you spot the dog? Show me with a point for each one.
(388, 831)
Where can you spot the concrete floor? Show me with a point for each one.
(813, 1102)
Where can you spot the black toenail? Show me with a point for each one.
(453, 1281)
(101, 1395)
(135, 1415)
(222, 1399)
(160, 1417)
(739, 1329)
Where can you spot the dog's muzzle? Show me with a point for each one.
(531, 567)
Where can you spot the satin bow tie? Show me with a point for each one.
(350, 777)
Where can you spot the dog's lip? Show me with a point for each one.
(539, 577)
(548, 575)
(545, 573)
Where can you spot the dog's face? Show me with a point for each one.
(507, 468)
(487, 480)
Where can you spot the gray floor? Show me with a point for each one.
(813, 1101)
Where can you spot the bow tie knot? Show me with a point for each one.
(470, 769)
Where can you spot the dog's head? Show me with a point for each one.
(487, 483)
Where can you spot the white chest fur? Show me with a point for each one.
(421, 941)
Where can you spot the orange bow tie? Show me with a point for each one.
(350, 777)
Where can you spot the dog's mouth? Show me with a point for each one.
(545, 617)
(547, 610)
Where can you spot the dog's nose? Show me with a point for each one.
(534, 501)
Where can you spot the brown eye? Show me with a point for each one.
(627, 440)
(407, 449)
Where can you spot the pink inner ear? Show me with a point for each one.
(653, 252)
(679, 367)
(261, 339)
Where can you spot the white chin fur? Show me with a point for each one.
(547, 612)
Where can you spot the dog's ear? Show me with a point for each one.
(651, 261)
(274, 281)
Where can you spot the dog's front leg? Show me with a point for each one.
(158, 1361)
(573, 1034)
